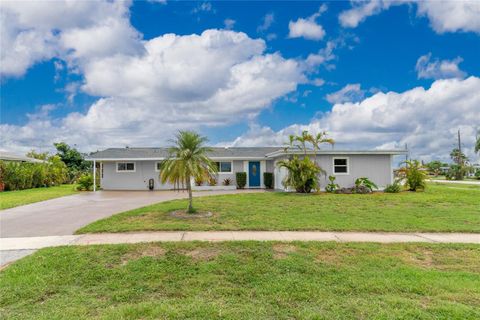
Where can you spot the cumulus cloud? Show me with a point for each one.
(307, 28)
(438, 69)
(444, 16)
(425, 119)
(349, 93)
(75, 31)
(215, 78)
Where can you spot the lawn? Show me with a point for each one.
(441, 208)
(10, 199)
(248, 280)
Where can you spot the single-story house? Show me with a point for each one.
(14, 157)
(135, 168)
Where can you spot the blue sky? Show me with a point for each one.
(260, 71)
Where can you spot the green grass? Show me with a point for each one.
(441, 208)
(248, 280)
(10, 199)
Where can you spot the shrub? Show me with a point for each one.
(395, 187)
(268, 180)
(332, 187)
(198, 181)
(365, 182)
(302, 174)
(477, 174)
(212, 181)
(85, 182)
(227, 181)
(241, 178)
(414, 175)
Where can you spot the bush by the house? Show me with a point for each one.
(395, 187)
(227, 182)
(212, 181)
(365, 182)
(85, 182)
(414, 175)
(198, 181)
(332, 187)
(268, 180)
(25, 175)
(477, 174)
(241, 178)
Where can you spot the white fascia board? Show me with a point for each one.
(337, 152)
(153, 159)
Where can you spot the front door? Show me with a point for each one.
(254, 174)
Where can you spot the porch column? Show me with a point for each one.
(94, 176)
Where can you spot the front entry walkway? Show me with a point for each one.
(65, 215)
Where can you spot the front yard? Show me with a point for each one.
(10, 199)
(245, 280)
(442, 208)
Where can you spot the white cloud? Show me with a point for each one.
(71, 30)
(438, 69)
(349, 93)
(322, 57)
(361, 11)
(318, 82)
(215, 78)
(229, 23)
(307, 28)
(452, 16)
(444, 16)
(268, 19)
(425, 119)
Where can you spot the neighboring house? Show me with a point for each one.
(13, 157)
(132, 168)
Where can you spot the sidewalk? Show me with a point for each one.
(31, 243)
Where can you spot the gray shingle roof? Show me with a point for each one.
(155, 153)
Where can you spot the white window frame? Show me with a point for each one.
(225, 172)
(125, 171)
(156, 166)
(341, 173)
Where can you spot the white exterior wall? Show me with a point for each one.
(138, 180)
(378, 168)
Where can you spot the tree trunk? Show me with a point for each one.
(190, 197)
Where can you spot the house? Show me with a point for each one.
(133, 168)
(14, 157)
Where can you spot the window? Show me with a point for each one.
(340, 165)
(157, 166)
(224, 167)
(125, 166)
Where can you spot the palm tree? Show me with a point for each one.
(187, 159)
(320, 138)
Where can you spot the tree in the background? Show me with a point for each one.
(187, 160)
(459, 169)
(38, 155)
(73, 159)
(435, 167)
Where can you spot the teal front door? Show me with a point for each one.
(254, 174)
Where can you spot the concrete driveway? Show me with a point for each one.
(63, 216)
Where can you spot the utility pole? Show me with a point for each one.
(406, 154)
